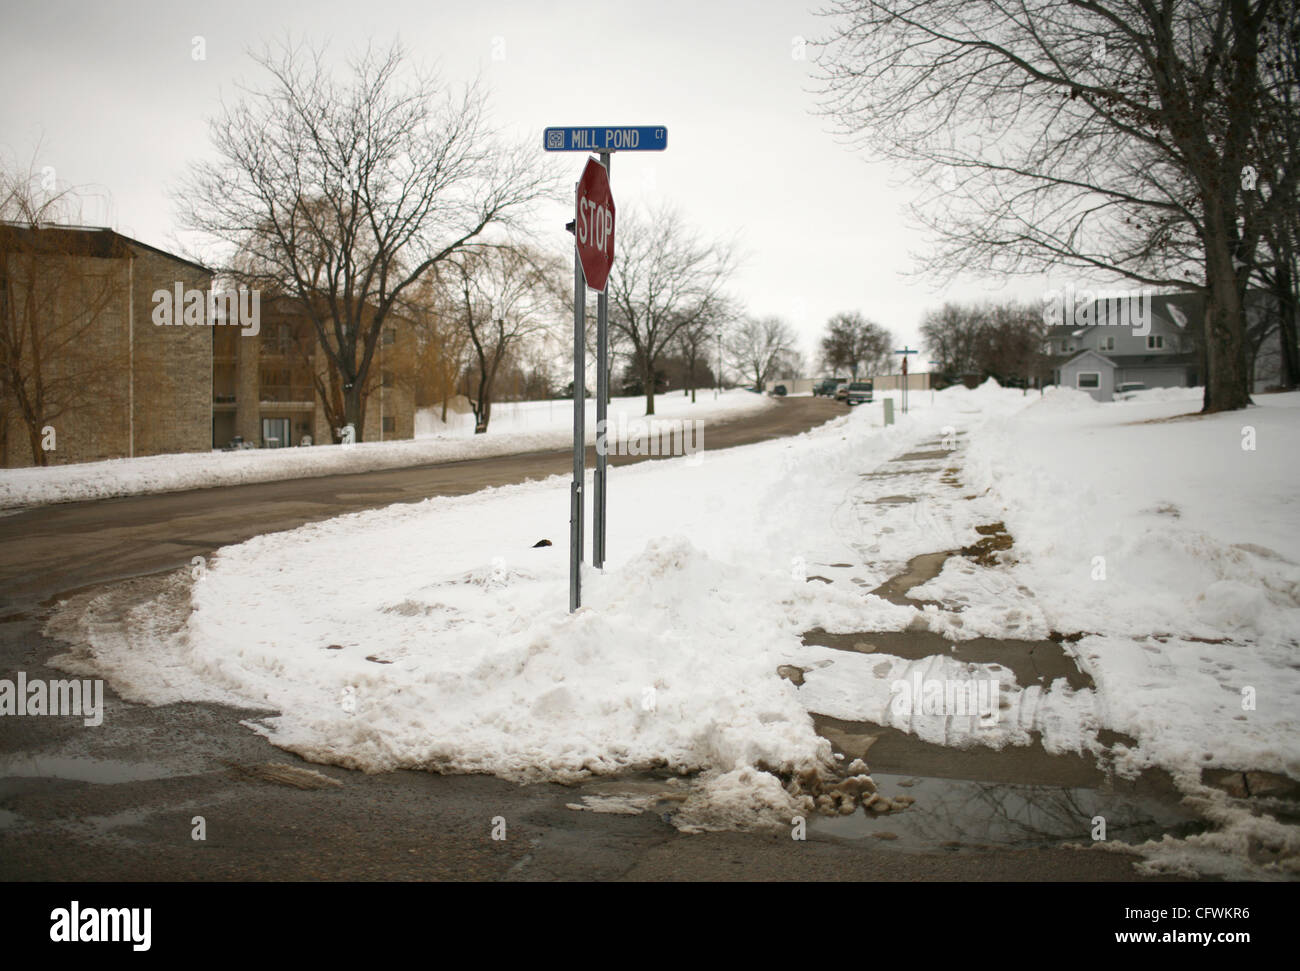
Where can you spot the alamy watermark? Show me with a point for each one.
(193, 308)
(39, 697)
(74, 924)
(1086, 308)
(652, 436)
(967, 698)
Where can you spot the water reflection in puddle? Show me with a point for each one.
(953, 813)
(100, 771)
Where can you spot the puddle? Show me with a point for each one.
(1031, 662)
(920, 569)
(99, 771)
(952, 814)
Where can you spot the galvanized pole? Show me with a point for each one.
(602, 397)
(579, 429)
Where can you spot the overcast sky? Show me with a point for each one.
(113, 98)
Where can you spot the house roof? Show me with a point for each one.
(1090, 353)
(97, 242)
(1153, 360)
(1136, 360)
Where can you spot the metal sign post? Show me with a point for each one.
(579, 429)
(905, 351)
(593, 230)
(602, 418)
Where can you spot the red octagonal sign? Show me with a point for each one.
(594, 225)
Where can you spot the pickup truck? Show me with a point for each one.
(859, 393)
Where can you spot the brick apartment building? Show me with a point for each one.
(77, 335)
(80, 317)
(266, 389)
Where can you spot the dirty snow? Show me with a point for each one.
(434, 636)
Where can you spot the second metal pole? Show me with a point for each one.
(602, 417)
(579, 430)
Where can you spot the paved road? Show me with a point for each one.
(118, 802)
(52, 549)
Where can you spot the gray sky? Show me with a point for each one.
(113, 98)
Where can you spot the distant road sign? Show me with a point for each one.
(637, 138)
(594, 225)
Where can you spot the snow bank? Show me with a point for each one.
(540, 426)
(1178, 552)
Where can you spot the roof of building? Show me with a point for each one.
(97, 242)
(1137, 360)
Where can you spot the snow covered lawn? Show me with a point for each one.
(437, 636)
(529, 426)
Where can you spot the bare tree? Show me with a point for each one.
(695, 340)
(345, 194)
(757, 346)
(666, 278)
(502, 300)
(1002, 341)
(56, 294)
(855, 343)
(441, 342)
(1097, 135)
(952, 335)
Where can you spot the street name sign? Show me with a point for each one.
(611, 138)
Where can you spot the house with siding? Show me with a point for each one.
(1104, 343)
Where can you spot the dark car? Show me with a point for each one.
(826, 388)
(859, 393)
(779, 391)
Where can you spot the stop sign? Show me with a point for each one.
(594, 225)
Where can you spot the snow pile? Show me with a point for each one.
(435, 636)
(556, 414)
(1178, 552)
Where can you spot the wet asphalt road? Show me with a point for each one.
(118, 803)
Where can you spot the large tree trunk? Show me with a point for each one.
(1227, 381)
(1284, 292)
(353, 410)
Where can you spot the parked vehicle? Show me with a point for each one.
(841, 392)
(859, 393)
(1126, 390)
(826, 388)
(779, 391)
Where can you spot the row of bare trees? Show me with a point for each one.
(388, 194)
(1003, 341)
(1148, 140)
(381, 197)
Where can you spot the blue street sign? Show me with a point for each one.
(637, 138)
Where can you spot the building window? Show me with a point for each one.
(390, 336)
(386, 379)
(1089, 379)
(1155, 342)
(1106, 344)
(1066, 347)
(390, 424)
